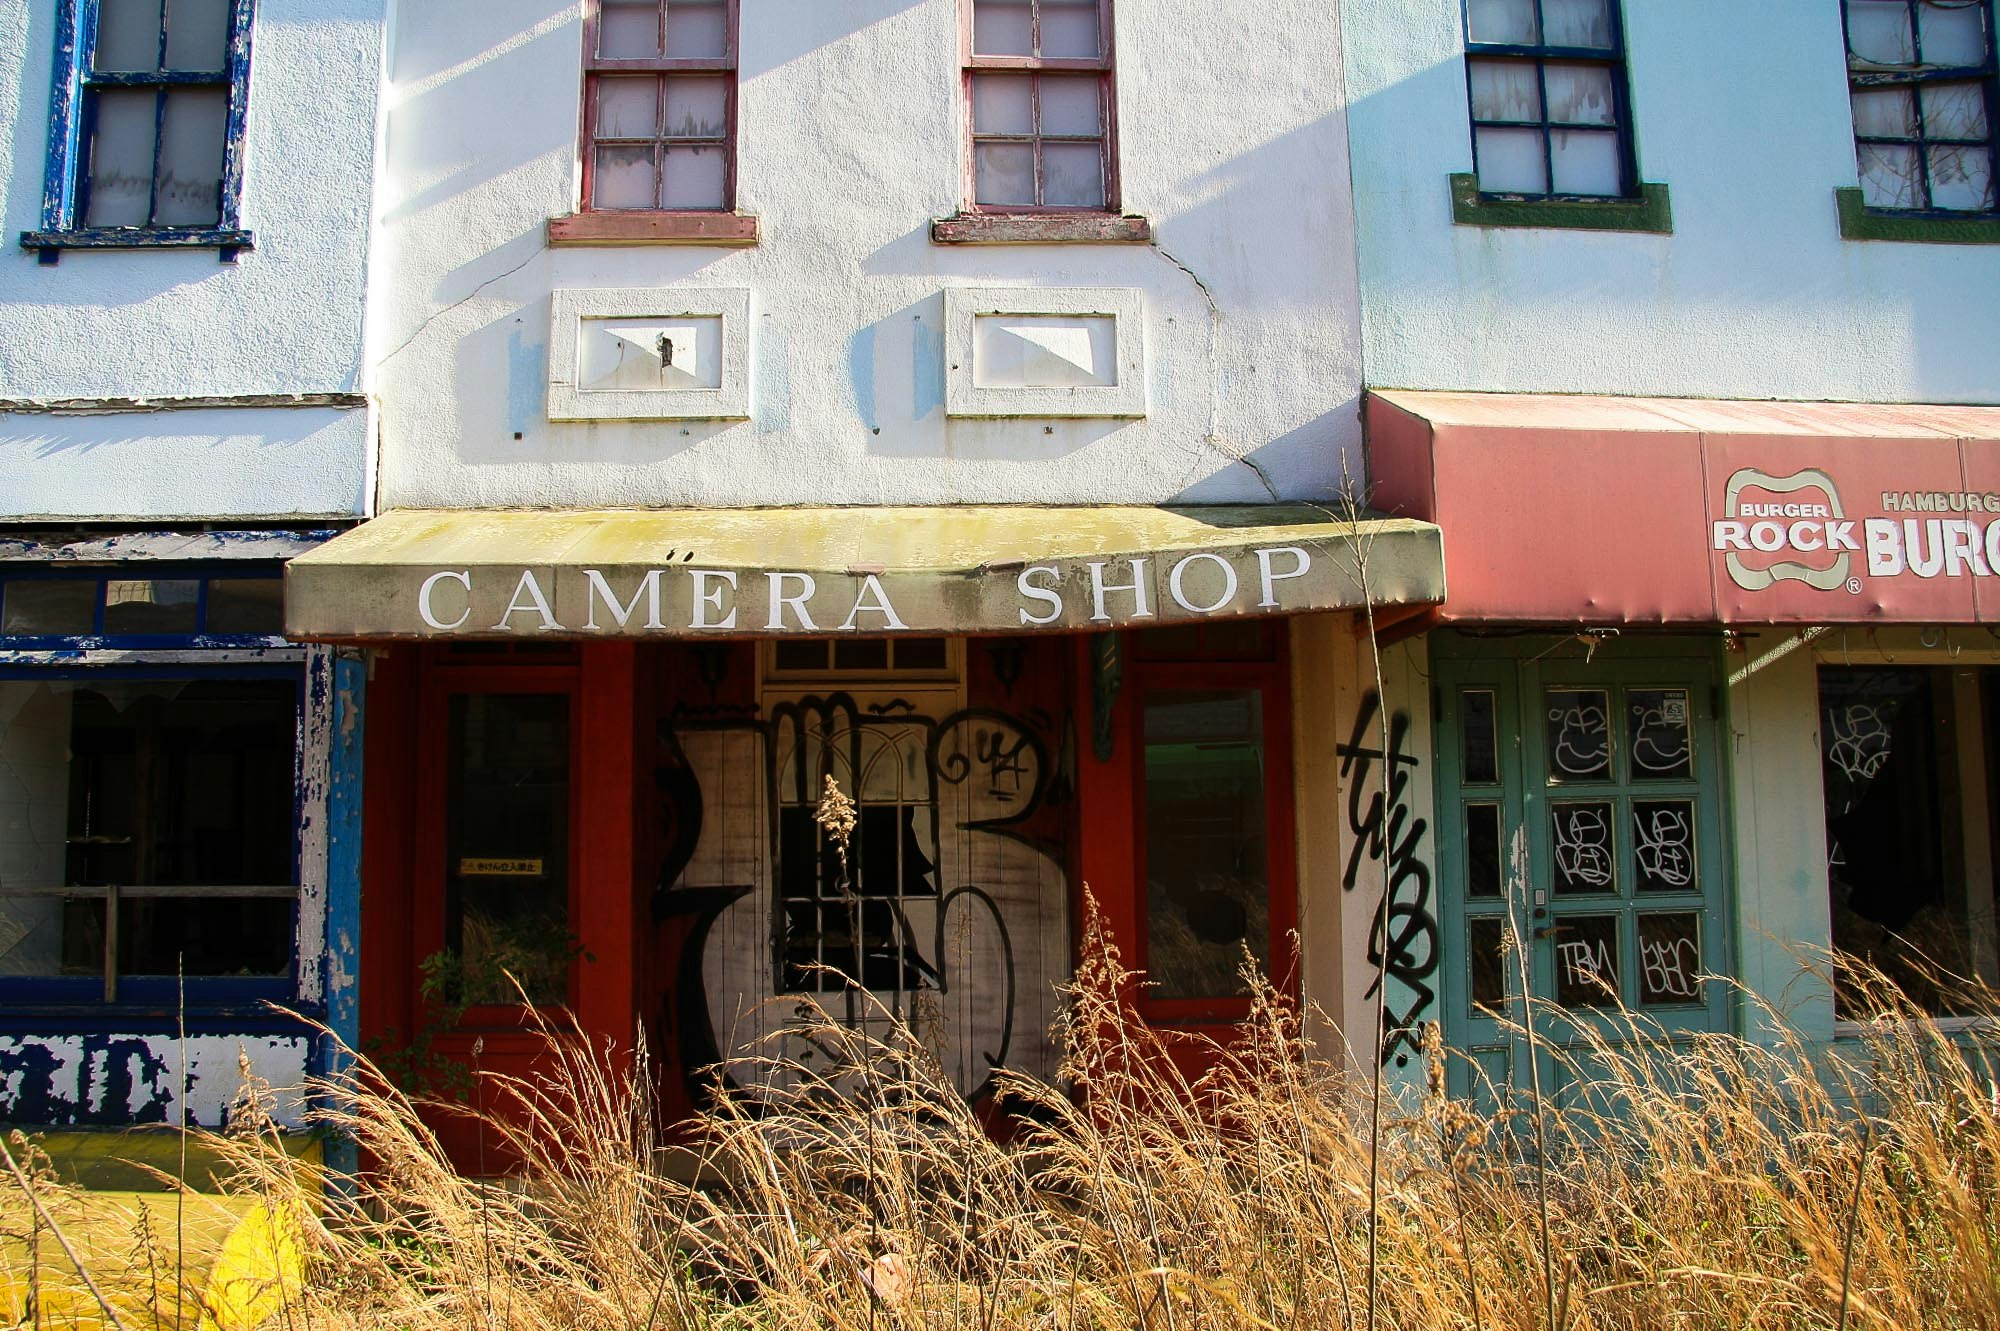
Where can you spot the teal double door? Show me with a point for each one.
(1582, 846)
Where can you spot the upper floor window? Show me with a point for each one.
(1038, 84)
(1920, 76)
(146, 132)
(1551, 114)
(659, 119)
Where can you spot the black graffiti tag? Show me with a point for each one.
(1403, 938)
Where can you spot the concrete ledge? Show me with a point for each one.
(1041, 229)
(686, 228)
(1858, 222)
(1650, 212)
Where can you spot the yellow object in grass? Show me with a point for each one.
(257, 1271)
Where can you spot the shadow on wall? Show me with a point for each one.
(509, 425)
(449, 74)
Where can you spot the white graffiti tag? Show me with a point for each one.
(1664, 844)
(1582, 741)
(1858, 740)
(1670, 964)
(1583, 844)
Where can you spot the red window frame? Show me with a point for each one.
(1101, 65)
(596, 66)
(443, 679)
(1222, 670)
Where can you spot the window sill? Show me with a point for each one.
(1041, 229)
(1858, 222)
(684, 228)
(1650, 212)
(228, 242)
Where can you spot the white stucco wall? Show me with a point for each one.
(285, 319)
(849, 144)
(1742, 111)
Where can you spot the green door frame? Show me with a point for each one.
(1517, 671)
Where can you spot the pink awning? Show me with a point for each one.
(1618, 510)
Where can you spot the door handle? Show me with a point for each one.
(1551, 930)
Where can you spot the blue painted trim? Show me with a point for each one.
(62, 228)
(26, 1021)
(342, 958)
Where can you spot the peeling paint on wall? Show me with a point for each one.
(120, 1080)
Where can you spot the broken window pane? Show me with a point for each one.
(48, 607)
(1072, 175)
(1002, 27)
(121, 157)
(1962, 178)
(697, 29)
(1510, 161)
(1952, 32)
(192, 133)
(1580, 94)
(629, 30)
(696, 177)
(1952, 111)
(128, 37)
(198, 34)
(1577, 23)
(183, 783)
(1888, 175)
(1505, 89)
(1509, 21)
(1069, 28)
(1003, 104)
(1878, 32)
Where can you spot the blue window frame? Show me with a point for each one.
(1921, 80)
(1551, 105)
(146, 129)
(150, 822)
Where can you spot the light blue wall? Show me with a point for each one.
(1741, 110)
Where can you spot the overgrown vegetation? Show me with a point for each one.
(1723, 1183)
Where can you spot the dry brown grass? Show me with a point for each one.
(1714, 1184)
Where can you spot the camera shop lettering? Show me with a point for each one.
(1794, 528)
(685, 599)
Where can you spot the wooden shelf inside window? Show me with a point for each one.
(1070, 228)
(653, 228)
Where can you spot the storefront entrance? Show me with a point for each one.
(1579, 788)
